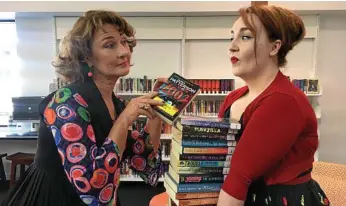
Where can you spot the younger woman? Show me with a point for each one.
(275, 153)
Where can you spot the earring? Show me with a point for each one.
(90, 74)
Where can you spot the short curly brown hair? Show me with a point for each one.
(75, 47)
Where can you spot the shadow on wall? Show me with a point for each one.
(331, 71)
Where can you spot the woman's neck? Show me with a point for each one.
(105, 86)
(261, 81)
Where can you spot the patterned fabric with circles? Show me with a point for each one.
(332, 179)
(94, 171)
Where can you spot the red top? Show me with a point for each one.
(279, 138)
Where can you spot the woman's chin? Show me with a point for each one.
(236, 71)
(121, 72)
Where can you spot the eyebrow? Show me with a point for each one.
(107, 37)
(241, 29)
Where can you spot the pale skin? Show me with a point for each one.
(256, 75)
(110, 60)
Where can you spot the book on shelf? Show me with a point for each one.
(308, 86)
(135, 85)
(209, 107)
(176, 94)
(215, 86)
(200, 158)
(145, 84)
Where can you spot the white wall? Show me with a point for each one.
(35, 54)
(35, 51)
(331, 70)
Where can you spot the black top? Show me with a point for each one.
(74, 128)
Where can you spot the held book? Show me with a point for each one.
(177, 94)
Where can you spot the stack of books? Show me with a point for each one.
(200, 159)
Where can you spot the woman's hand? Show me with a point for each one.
(227, 200)
(140, 106)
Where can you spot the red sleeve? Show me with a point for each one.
(269, 134)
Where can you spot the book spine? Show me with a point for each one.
(198, 123)
(200, 187)
(186, 179)
(207, 130)
(190, 163)
(201, 170)
(204, 157)
(208, 150)
(201, 201)
(201, 136)
(203, 143)
(198, 195)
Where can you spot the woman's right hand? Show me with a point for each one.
(140, 106)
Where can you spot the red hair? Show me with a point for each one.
(280, 24)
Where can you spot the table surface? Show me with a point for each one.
(18, 136)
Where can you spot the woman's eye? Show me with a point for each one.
(232, 38)
(110, 45)
(246, 37)
(124, 41)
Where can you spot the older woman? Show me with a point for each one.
(85, 129)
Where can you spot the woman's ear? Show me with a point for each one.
(88, 62)
(276, 45)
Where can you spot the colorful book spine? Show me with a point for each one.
(189, 163)
(204, 143)
(205, 123)
(200, 157)
(186, 179)
(195, 187)
(202, 170)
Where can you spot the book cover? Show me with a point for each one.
(177, 94)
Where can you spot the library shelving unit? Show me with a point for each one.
(196, 47)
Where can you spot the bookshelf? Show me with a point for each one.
(196, 48)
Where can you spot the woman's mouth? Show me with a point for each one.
(234, 60)
(123, 64)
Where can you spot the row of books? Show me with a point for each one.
(200, 159)
(145, 84)
(208, 86)
(308, 86)
(203, 107)
(215, 86)
(196, 107)
(135, 85)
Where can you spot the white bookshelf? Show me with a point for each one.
(196, 48)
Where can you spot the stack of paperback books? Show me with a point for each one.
(200, 159)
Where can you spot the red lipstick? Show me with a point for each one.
(234, 60)
(125, 63)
